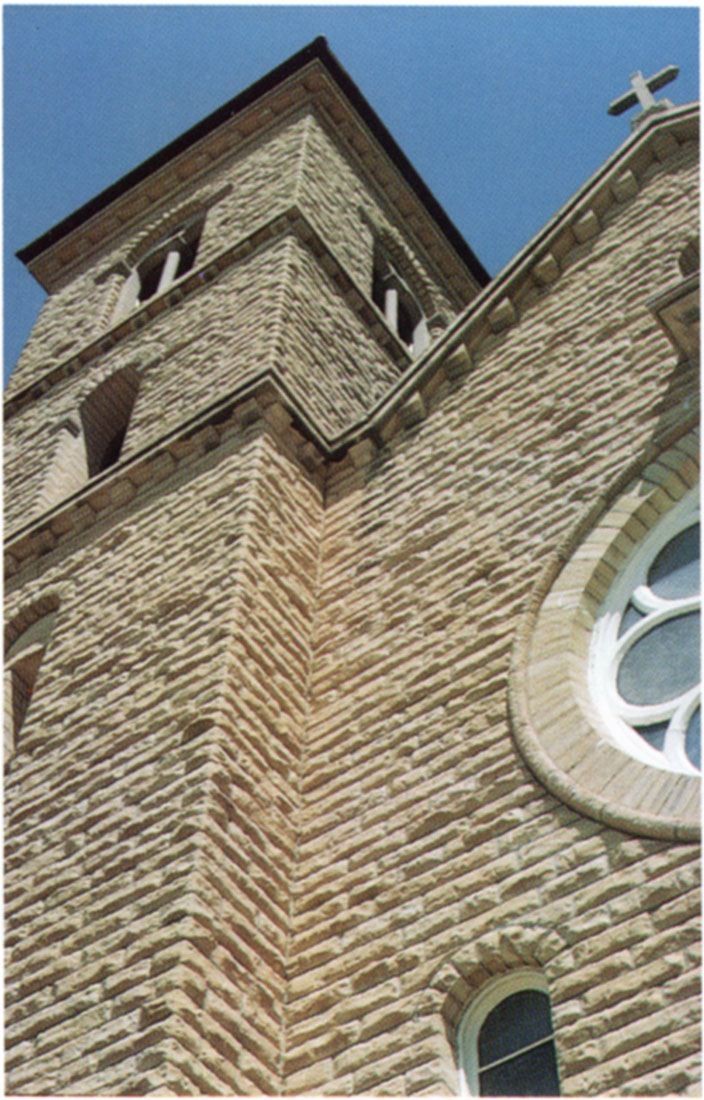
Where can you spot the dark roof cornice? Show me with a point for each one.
(316, 50)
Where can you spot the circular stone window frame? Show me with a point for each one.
(609, 647)
(556, 724)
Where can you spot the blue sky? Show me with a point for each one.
(502, 110)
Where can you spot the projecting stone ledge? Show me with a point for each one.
(503, 316)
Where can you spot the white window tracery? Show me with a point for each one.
(644, 668)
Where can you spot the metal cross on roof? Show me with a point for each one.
(642, 92)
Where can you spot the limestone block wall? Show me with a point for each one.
(325, 352)
(268, 828)
(190, 355)
(348, 210)
(294, 162)
(247, 187)
(150, 826)
(430, 858)
(276, 308)
(273, 304)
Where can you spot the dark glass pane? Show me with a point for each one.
(663, 663)
(520, 1019)
(675, 571)
(654, 734)
(533, 1073)
(630, 616)
(693, 739)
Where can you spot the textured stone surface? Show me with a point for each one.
(414, 793)
(296, 161)
(154, 838)
(268, 829)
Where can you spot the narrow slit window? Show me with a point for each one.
(91, 439)
(105, 416)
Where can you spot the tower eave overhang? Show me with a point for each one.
(316, 51)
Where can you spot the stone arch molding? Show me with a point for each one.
(26, 606)
(459, 978)
(31, 611)
(392, 241)
(556, 725)
(499, 951)
(169, 221)
(135, 248)
(168, 224)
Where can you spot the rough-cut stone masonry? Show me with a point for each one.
(342, 209)
(268, 828)
(260, 181)
(295, 162)
(150, 835)
(203, 347)
(422, 829)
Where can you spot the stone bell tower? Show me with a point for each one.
(213, 320)
(286, 232)
(344, 751)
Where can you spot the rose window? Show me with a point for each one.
(645, 654)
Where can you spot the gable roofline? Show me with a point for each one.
(674, 118)
(317, 50)
(517, 273)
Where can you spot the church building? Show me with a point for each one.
(352, 625)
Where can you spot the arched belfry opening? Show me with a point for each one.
(392, 294)
(91, 439)
(159, 268)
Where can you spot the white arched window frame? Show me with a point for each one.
(474, 1018)
(612, 640)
